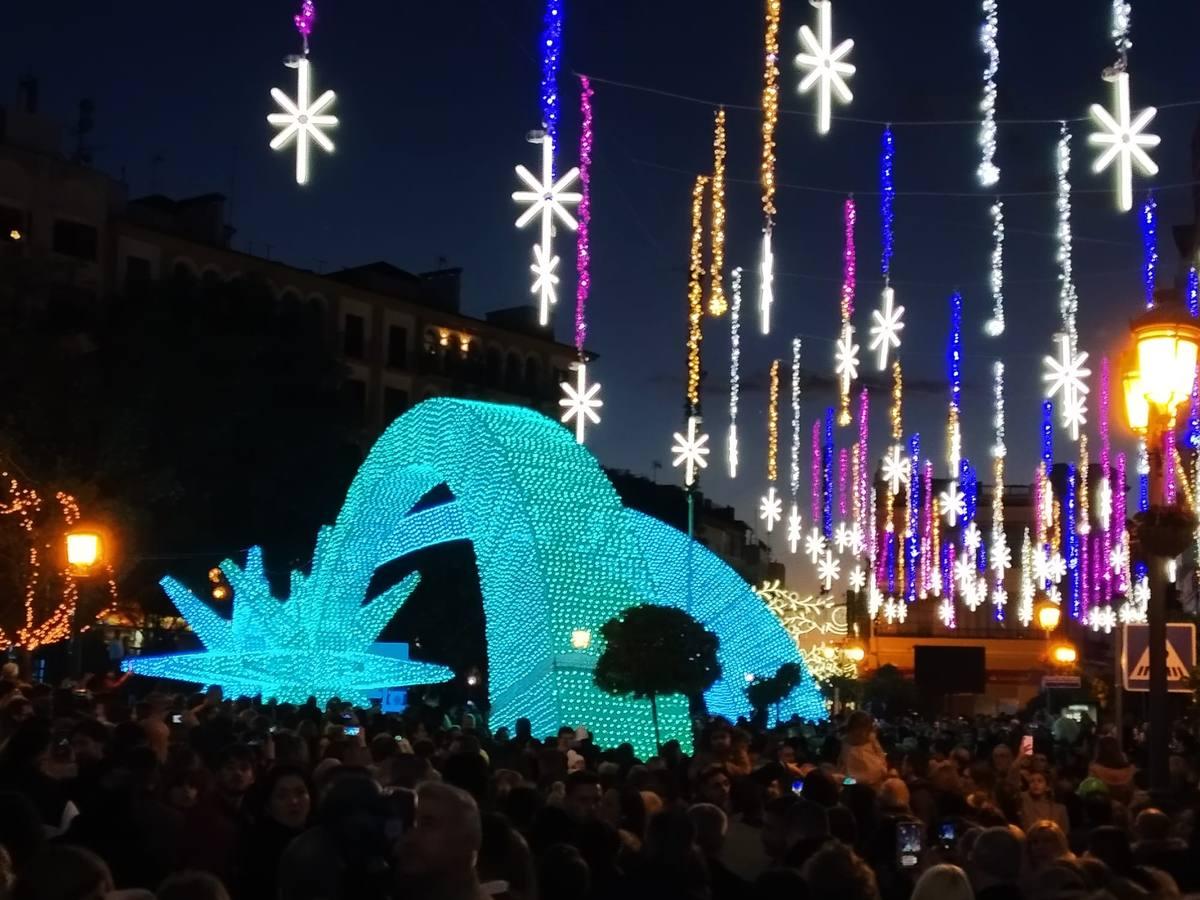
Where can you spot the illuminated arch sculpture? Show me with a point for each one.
(557, 553)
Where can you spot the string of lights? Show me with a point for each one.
(989, 172)
(816, 472)
(954, 369)
(1193, 292)
(1149, 223)
(827, 450)
(995, 325)
(770, 120)
(552, 29)
(735, 357)
(695, 296)
(583, 283)
(1068, 301)
(773, 424)
(846, 356)
(795, 461)
(717, 304)
(887, 201)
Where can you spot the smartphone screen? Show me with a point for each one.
(350, 730)
(947, 835)
(1027, 745)
(177, 718)
(797, 787)
(848, 780)
(908, 844)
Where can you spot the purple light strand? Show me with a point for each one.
(843, 483)
(583, 257)
(304, 21)
(927, 560)
(864, 480)
(1106, 528)
(849, 264)
(1085, 546)
(1169, 477)
(816, 472)
(1120, 510)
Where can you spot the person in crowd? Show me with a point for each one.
(437, 855)
(1037, 803)
(284, 804)
(943, 882)
(1155, 846)
(995, 865)
(582, 796)
(212, 825)
(862, 758)
(711, 824)
(1112, 768)
(1045, 843)
(194, 886)
(837, 873)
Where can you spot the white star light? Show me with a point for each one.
(770, 509)
(1067, 374)
(690, 451)
(972, 537)
(1104, 504)
(1123, 139)
(874, 601)
(857, 579)
(1000, 555)
(1118, 557)
(303, 120)
(946, 612)
(545, 198)
(766, 279)
(1040, 562)
(999, 598)
(896, 468)
(976, 595)
(828, 569)
(581, 401)
(842, 537)
(964, 574)
(953, 503)
(793, 528)
(825, 64)
(857, 541)
(1141, 592)
(1103, 618)
(814, 545)
(846, 356)
(1056, 568)
(885, 333)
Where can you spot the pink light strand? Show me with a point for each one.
(816, 474)
(1086, 591)
(928, 563)
(953, 619)
(849, 265)
(864, 478)
(583, 256)
(843, 482)
(1119, 512)
(1106, 528)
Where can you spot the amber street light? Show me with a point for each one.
(1158, 375)
(84, 549)
(1064, 654)
(855, 652)
(1048, 613)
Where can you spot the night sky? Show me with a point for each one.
(435, 100)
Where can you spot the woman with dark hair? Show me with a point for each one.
(286, 803)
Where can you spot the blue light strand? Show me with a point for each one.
(954, 353)
(1149, 221)
(891, 562)
(827, 475)
(887, 199)
(1048, 435)
(1143, 470)
(1071, 540)
(912, 542)
(969, 482)
(1193, 292)
(551, 57)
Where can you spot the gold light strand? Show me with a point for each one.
(897, 411)
(717, 304)
(1057, 543)
(770, 105)
(695, 295)
(773, 425)
(1085, 520)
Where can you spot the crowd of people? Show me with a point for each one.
(107, 795)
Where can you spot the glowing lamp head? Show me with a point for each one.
(1137, 407)
(1166, 340)
(855, 652)
(581, 639)
(83, 549)
(828, 652)
(472, 680)
(1064, 654)
(220, 592)
(1048, 614)
(15, 235)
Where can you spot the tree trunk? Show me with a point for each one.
(654, 717)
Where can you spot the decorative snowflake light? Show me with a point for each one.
(888, 323)
(999, 598)
(953, 503)
(857, 579)
(814, 545)
(794, 523)
(690, 451)
(1141, 591)
(1066, 374)
(545, 280)
(1104, 503)
(770, 508)
(302, 120)
(874, 600)
(1123, 140)
(946, 612)
(1103, 618)
(1118, 557)
(825, 63)
(1000, 555)
(846, 356)
(1056, 568)
(964, 573)
(896, 468)
(545, 199)
(972, 537)
(842, 537)
(828, 569)
(857, 539)
(581, 401)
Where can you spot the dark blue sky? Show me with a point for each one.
(435, 100)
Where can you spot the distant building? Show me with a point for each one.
(402, 336)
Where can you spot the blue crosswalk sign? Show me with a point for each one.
(1181, 656)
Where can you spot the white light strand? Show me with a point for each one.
(796, 436)
(735, 357)
(999, 449)
(995, 325)
(766, 278)
(1121, 12)
(989, 172)
(1067, 300)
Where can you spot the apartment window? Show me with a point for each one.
(397, 349)
(137, 276)
(354, 336)
(354, 401)
(75, 239)
(395, 402)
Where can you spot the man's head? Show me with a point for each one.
(710, 823)
(89, 741)
(583, 795)
(1039, 787)
(995, 858)
(720, 739)
(836, 873)
(1002, 758)
(235, 771)
(446, 833)
(713, 786)
(1152, 825)
(566, 736)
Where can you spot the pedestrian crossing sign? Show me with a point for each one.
(1181, 656)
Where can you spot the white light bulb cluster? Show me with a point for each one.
(735, 358)
(989, 172)
(995, 325)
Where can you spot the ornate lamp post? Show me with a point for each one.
(1158, 377)
(85, 551)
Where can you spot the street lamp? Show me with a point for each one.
(855, 652)
(1048, 613)
(1064, 654)
(85, 550)
(1158, 377)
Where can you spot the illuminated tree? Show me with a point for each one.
(764, 693)
(652, 651)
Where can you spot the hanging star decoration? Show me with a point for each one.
(953, 504)
(894, 611)
(826, 65)
(857, 579)
(770, 508)
(1123, 139)
(1103, 618)
(964, 574)
(690, 451)
(885, 333)
(828, 569)
(1000, 597)
(896, 468)
(857, 541)
(302, 120)
(1000, 555)
(846, 356)
(1056, 568)
(545, 198)
(842, 537)
(581, 401)
(1118, 557)
(1067, 374)
(972, 537)
(814, 545)
(794, 524)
